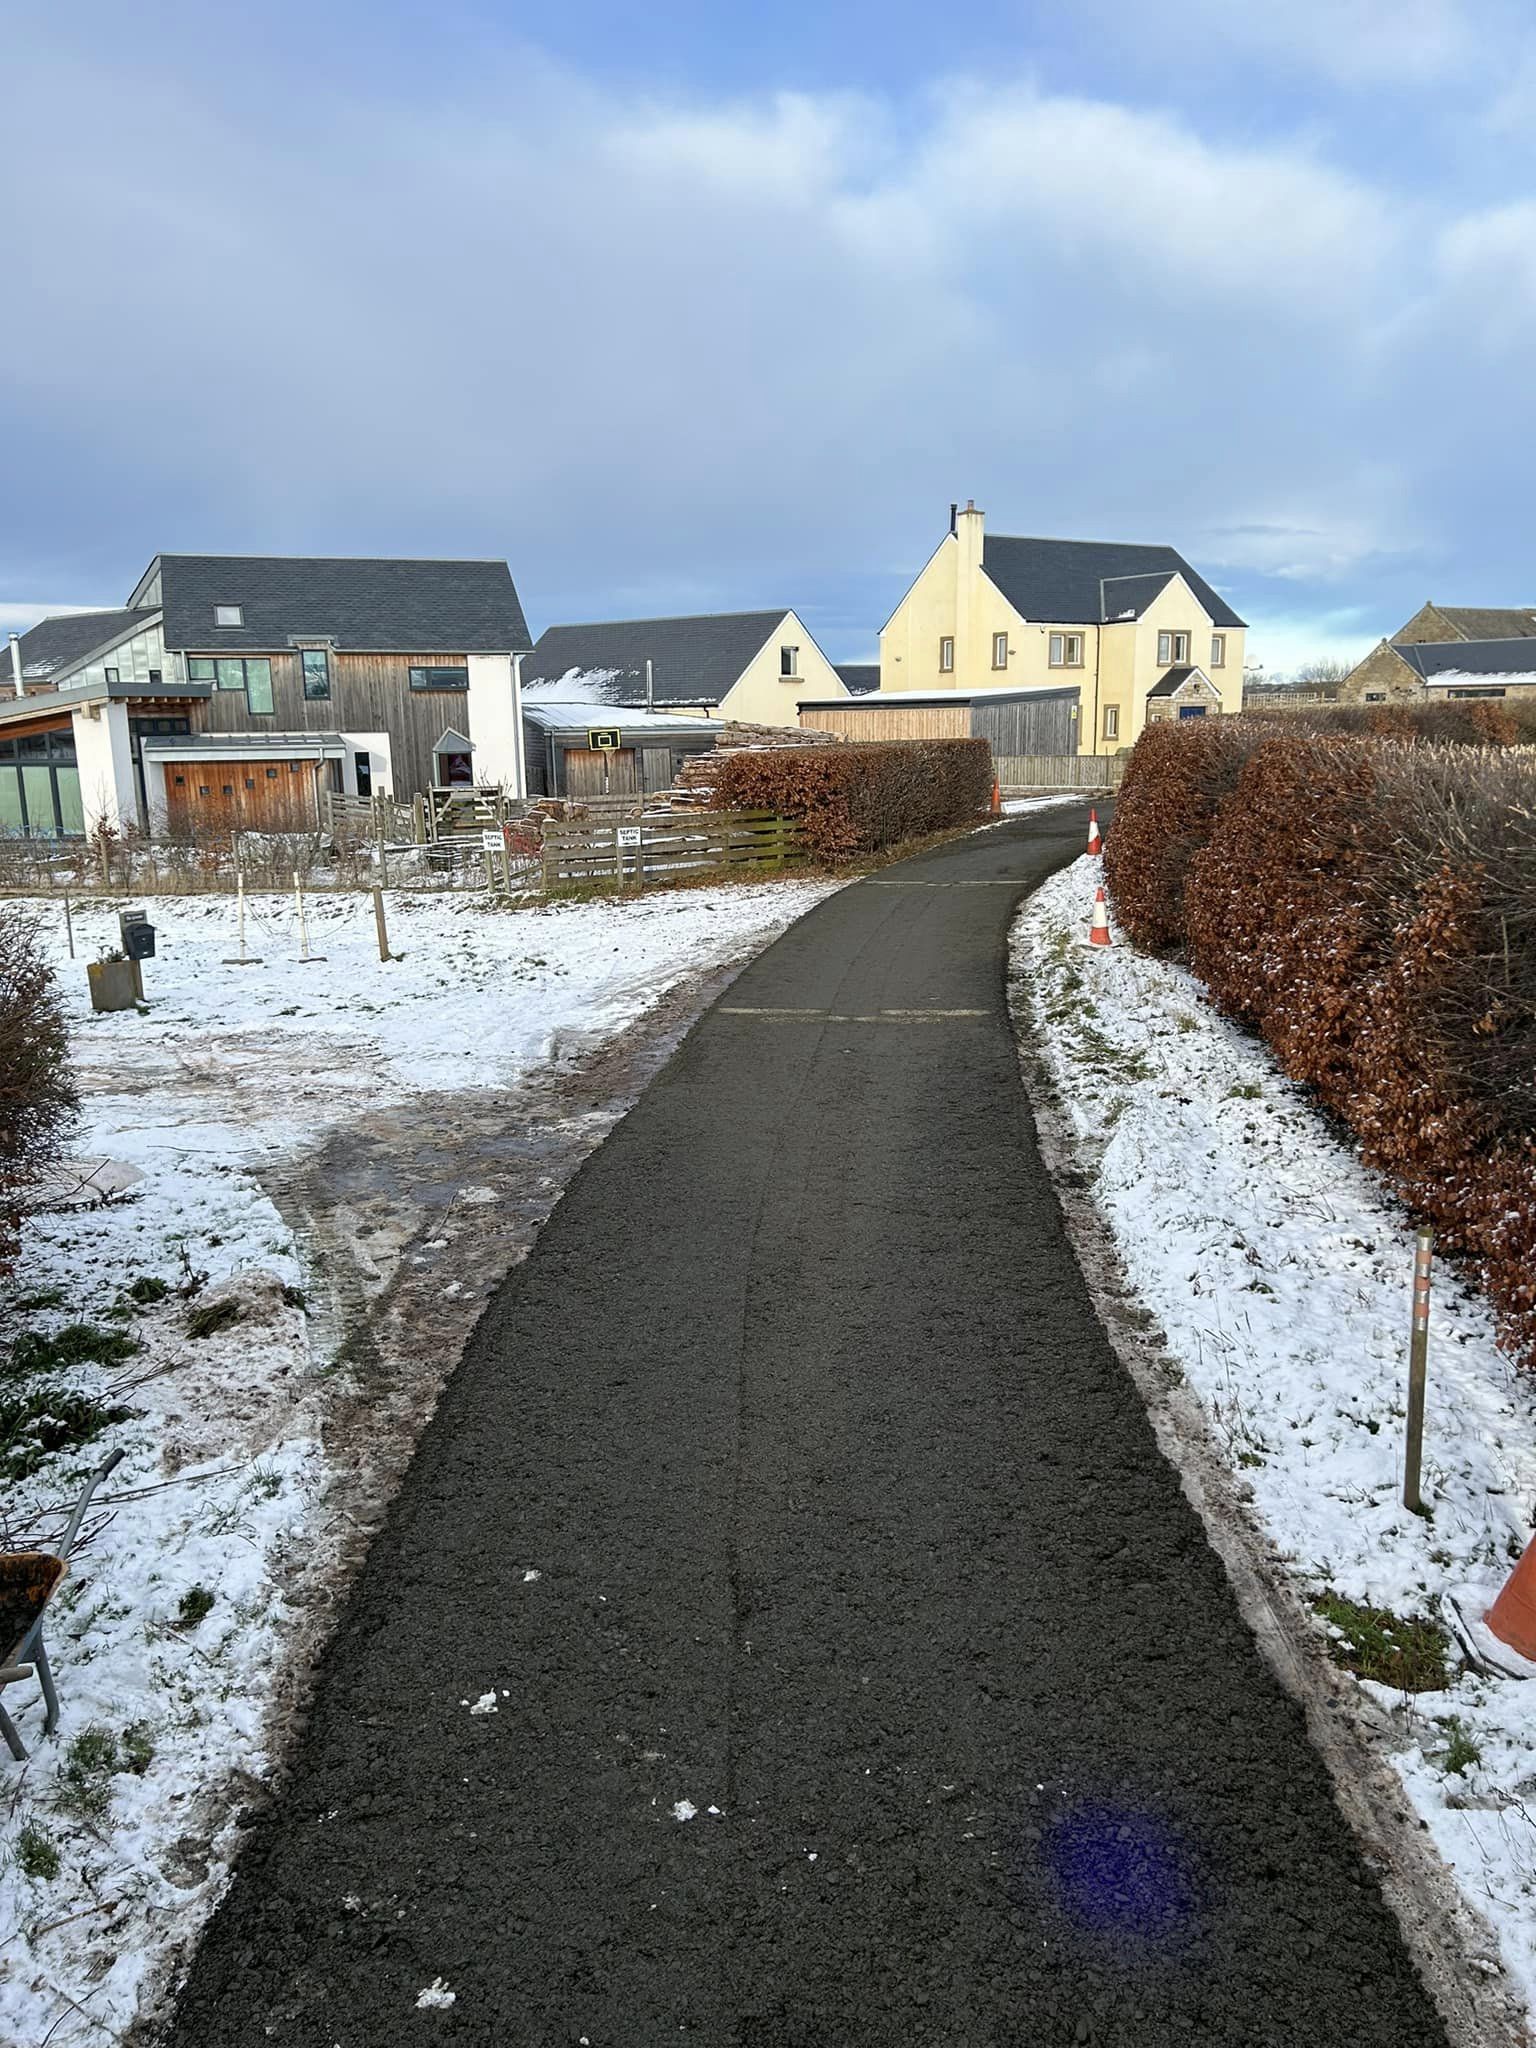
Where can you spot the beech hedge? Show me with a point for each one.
(1369, 906)
(858, 798)
(37, 1092)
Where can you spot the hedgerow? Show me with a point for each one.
(37, 1093)
(1369, 905)
(859, 798)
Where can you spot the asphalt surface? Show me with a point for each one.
(847, 1523)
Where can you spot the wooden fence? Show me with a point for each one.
(1020, 772)
(659, 845)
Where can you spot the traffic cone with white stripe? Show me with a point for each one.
(997, 801)
(1098, 934)
(1095, 843)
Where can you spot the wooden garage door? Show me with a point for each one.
(243, 796)
(589, 773)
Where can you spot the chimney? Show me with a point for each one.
(953, 509)
(16, 664)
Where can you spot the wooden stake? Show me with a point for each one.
(1418, 1361)
(69, 928)
(298, 897)
(378, 924)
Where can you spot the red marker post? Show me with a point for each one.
(1418, 1361)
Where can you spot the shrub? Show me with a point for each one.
(37, 1092)
(859, 798)
(1472, 722)
(1174, 783)
(1369, 905)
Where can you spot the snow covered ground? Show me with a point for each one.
(1279, 1269)
(171, 1640)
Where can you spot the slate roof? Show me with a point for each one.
(362, 604)
(1085, 582)
(1173, 682)
(859, 677)
(58, 644)
(1491, 622)
(1469, 657)
(693, 660)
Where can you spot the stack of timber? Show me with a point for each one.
(663, 844)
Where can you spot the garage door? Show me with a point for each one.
(240, 796)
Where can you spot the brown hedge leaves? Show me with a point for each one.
(37, 1094)
(857, 799)
(1369, 905)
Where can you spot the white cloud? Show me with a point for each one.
(1488, 260)
(1348, 42)
(703, 351)
(17, 615)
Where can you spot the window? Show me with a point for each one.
(181, 782)
(229, 615)
(362, 768)
(1375, 696)
(110, 674)
(317, 674)
(1191, 711)
(440, 678)
(789, 661)
(1172, 649)
(258, 686)
(1218, 650)
(251, 673)
(40, 787)
(1111, 721)
(1474, 693)
(154, 679)
(946, 656)
(250, 782)
(999, 650)
(1066, 650)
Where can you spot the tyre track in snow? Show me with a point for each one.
(846, 1522)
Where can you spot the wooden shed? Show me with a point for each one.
(1015, 721)
(586, 750)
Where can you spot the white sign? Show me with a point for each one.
(629, 835)
(491, 841)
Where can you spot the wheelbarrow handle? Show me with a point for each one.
(108, 1465)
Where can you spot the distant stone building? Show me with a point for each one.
(1449, 651)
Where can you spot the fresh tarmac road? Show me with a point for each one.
(792, 1485)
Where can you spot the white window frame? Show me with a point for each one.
(1218, 650)
(1111, 721)
(947, 654)
(999, 650)
(1065, 651)
(229, 615)
(789, 663)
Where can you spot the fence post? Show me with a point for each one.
(69, 926)
(379, 925)
(1418, 1361)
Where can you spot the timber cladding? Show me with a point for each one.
(891, 721)
(369, 693)
(240, 796)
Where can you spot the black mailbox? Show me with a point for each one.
(138, 935)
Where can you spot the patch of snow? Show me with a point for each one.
(684, 1810)
(1280, 1271)
(435, 1997)
(232, 1074)
(529, 1577)
(486, 1704)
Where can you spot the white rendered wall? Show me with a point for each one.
(495, 720)
(104, 755)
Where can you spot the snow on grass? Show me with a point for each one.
(1280, 1271)
(168, 1638)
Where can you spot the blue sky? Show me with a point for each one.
(696, 307)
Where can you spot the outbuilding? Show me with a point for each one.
(579, 749)
(1015, 721)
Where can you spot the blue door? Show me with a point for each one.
(1191, 711)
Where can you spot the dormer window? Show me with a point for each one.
(229, 615)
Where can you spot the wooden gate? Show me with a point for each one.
(590, 773)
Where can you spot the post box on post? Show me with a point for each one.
(138, 939)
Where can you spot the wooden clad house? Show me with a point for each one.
(233, 689)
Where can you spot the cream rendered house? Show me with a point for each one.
(1133, 630)
(750, 666)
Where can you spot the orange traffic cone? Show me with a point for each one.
(1512, 1617)
(1099, 933)
(1095, 843)
(997, 801)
